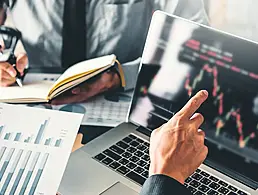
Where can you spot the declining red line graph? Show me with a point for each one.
(219, 99)
(235, 113)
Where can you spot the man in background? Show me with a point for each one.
(59, 33)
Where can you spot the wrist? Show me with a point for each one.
(115, 79)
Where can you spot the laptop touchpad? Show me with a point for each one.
(119, 188)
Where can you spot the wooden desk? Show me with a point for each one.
(88, 133)
(78, 142)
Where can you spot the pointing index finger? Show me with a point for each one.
(193, 104)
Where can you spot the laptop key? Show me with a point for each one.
(139, 140)
(127, 140)
(141, 147)
(232, 193)
(188, 180)
(112, 155)
(141, 163)
(198, 170)
(134, 143)
(214, 186)
(203, 188)
(213, 178)
(114, 165)
(122, 145)
(241, 192)
(146, 144)
(123, 170)
(223, 183)
(185, 184)
(147, 151)
(131, 165)
(126, 155)
(146, 157)
(205, 181)
(107, 161)
(138, 153)
(145, 174)
(131, 149)
(196, 176)
(134, 159)
(195, 183)
(138, 170)
(135, 177)
(116, 149)
(205, 174)
(212, 192)
(147, 166)
(123, 161)
(100, 157)
(192, 189)
(232, 188)
(223, 190)
(199, 193)
(132, 136)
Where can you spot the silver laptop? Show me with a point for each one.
(179, 59)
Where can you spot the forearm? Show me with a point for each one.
(163, 185)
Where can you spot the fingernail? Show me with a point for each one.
(205, 92)
(76, 91)
(11, 72)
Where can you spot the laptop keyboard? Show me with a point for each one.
(130, 157)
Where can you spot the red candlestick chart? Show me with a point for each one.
(223, 117)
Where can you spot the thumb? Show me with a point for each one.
(21, 62)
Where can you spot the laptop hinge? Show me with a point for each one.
(144, 130)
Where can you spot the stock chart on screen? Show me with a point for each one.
(231, 112)
(186, 58)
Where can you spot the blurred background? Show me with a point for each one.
(234, 16)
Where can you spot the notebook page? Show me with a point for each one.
(86, 66)
(31, 90)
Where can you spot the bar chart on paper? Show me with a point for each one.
(34, 153)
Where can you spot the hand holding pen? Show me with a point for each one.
(12, 71)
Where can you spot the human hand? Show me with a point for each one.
(104, 82)
(177, 148)
(8, 73)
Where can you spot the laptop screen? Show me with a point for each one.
(180, 58)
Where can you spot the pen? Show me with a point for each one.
(18, 77)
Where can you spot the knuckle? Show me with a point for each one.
(201, 117)
(194, 102)
(205, 150)
(5, 65)
(179, 119)
(202, 133)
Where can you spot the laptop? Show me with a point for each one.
(180, 58)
